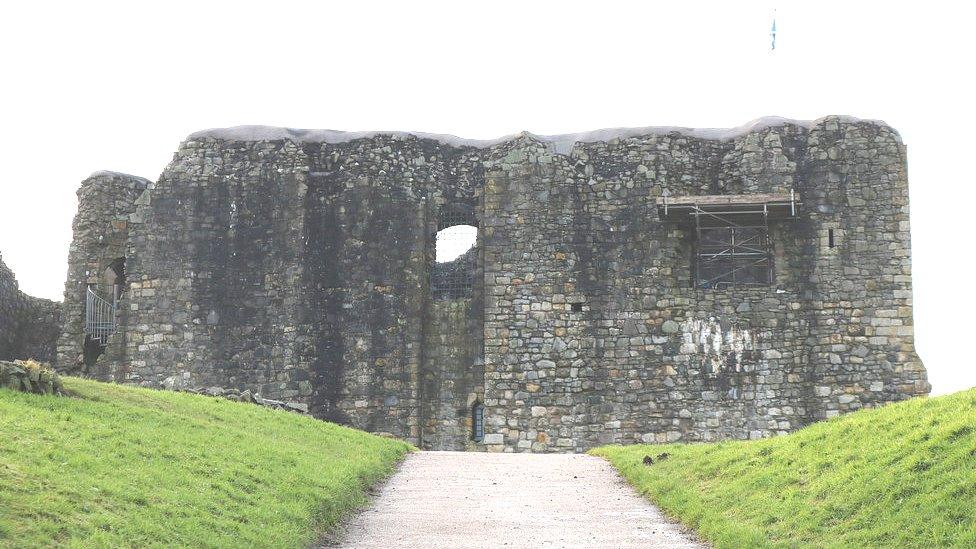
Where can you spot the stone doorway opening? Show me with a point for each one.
(453, 359)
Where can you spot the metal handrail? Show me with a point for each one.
(100, 315)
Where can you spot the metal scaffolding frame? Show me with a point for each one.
(732, 245)
(731, 254)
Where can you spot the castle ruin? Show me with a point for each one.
(29, 326)
(637, 285)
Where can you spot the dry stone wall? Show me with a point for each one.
(299, 265)
(29, 325)
(29, 376)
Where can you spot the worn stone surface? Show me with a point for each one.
(301, 268)
(98, 249)
(29, 376)
(474, 500)
(177, 384)
(29, 326)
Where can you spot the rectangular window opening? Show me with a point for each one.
(576, 307)
(830, 238)
(478, 422)
(728, 256)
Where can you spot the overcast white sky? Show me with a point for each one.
(117, 85)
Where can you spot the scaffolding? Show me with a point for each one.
(729, 254)
(732, 245)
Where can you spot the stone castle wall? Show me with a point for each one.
(649, 358)
(300, 267)
(100, 238)
(29, 325)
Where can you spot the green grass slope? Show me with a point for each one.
(903, 475)
(122, 466)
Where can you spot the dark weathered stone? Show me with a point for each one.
(30, 377)
(101, 235)
(301, 266)
(29, 326)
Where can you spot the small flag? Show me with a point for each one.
(773, 32)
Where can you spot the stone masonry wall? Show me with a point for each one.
(861, 301)
(454, 372)
(100, 237)
(646, 358)
(29, 325)
(299, 265)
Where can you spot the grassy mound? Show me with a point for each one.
(121, 466)
(899, 476)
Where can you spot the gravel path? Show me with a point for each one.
(473, 499)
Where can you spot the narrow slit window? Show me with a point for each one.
(478, 422)
(830, 238)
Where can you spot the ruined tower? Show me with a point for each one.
(651, 284)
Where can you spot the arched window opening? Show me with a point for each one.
(455, 261)
(101, 309)
(114, 277)
(455, 241)
(478, 422)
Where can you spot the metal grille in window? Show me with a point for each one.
(730, 256)
(455, 261)
(478, 422)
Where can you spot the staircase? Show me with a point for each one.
(100, 314)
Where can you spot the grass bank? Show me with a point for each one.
(899, 476)
(127, 467)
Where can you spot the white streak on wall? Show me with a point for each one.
(706, 337)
